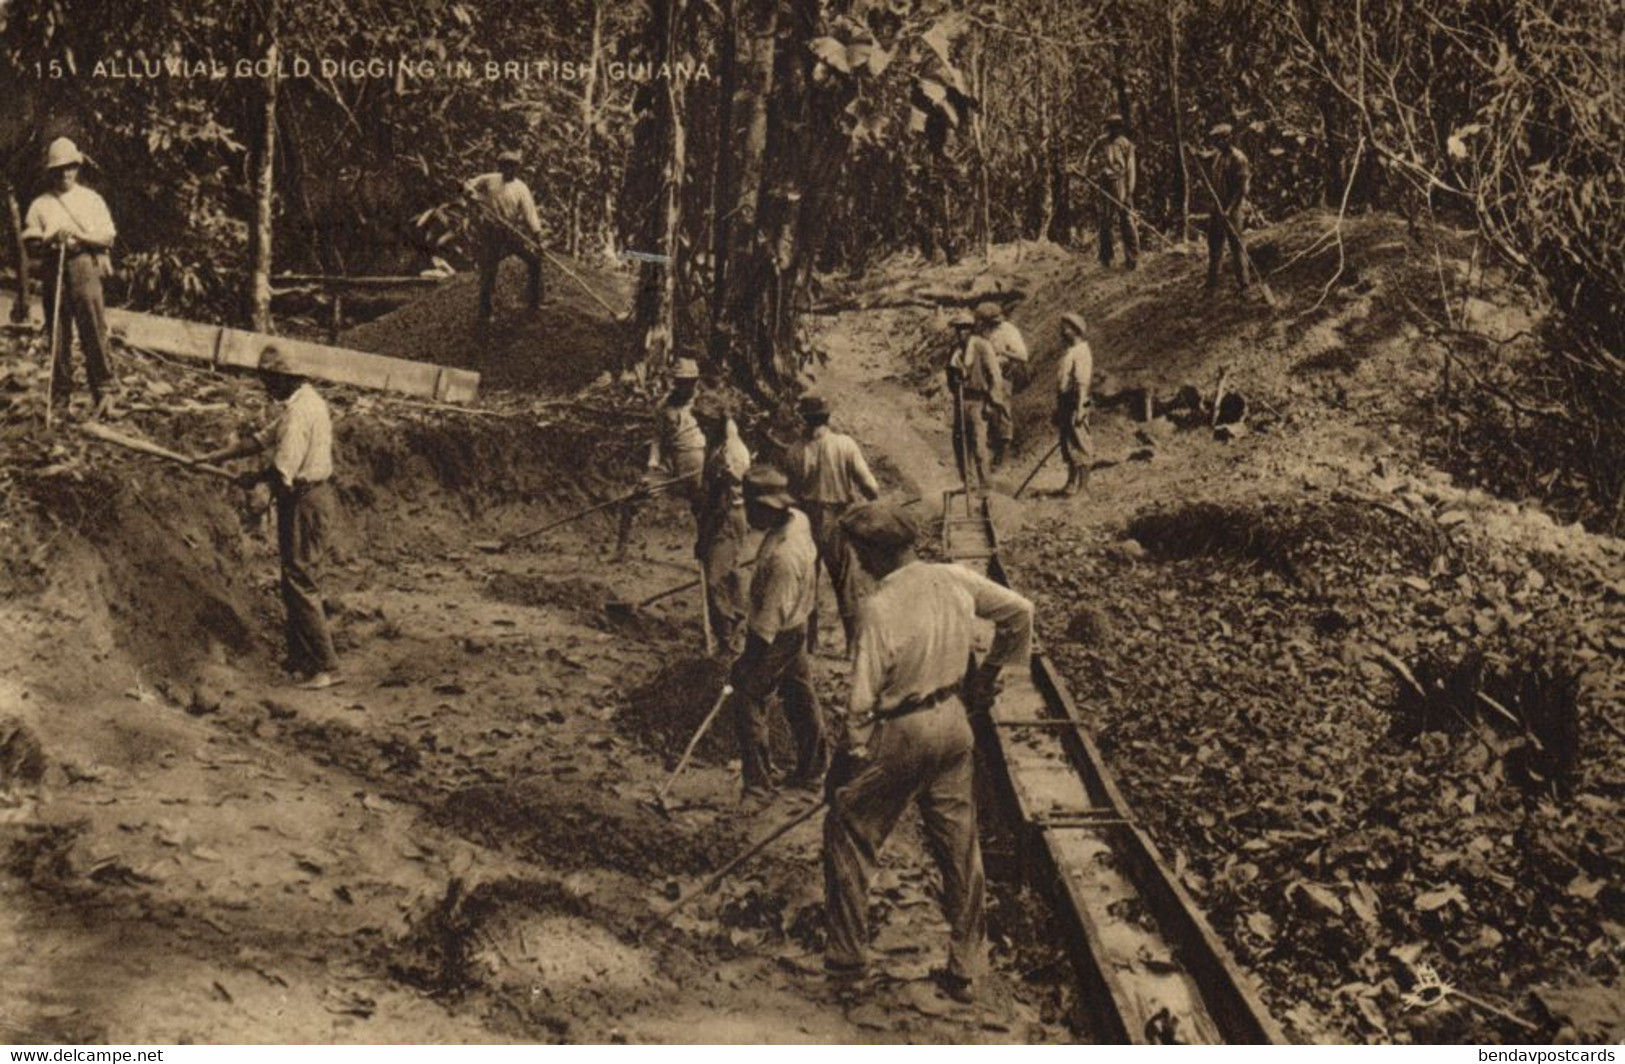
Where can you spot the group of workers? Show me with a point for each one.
(904, 736)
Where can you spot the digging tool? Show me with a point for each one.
(135, 443)
(705, 616)
(1252, 268)
(531, 244)
(722, 873)
(1138, 217)
(1041, 462)
(659, 804)
(491, 547)
(56, 333)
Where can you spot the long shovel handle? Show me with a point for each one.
(722, 873)
(550, 526)
(56, 332)
(684, 586)
(1047, 456)
(693, 743)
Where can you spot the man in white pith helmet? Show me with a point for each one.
(73, 221)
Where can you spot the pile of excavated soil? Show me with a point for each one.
(561, 348)
(665, 711)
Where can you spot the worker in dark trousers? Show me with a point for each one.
(300, 472)
(905, 738)
(775, 657)
(73, 220)
(506, 210)
(1072, 380)
(1231, 180)
(1119, 174)
(828, 473)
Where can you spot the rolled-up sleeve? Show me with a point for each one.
(1011, 614)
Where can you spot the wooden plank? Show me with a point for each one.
(327, 281)
(220, 346)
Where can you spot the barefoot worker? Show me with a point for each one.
(1071, 417)
(300, 445)
(905, 737)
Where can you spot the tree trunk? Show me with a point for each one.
(722, 181)
(660, 342)
(19, 309)
(588, 128)
(1182, 179)
(984, 191)
(264, 170)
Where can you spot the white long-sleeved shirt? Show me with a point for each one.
(829, 467)
(782, 590)
(916, 631)
(1075, 370)
(301, 439)
(511, 200)
(80, 211)
(1007, 341)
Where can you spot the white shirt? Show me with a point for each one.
(1007, 341)
(916, 631)
(829, 467)
(782, 591)
(301, 439)
(511, 200)
(79, 211)
(1076, 369)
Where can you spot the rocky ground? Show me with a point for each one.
(1371, 715)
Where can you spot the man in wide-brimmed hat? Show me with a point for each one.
(507, 215)
(828, 473)
(775, 656)
(905, 738)
(73, 221)
(1119, 174)
(299, 444)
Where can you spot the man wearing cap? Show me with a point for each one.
(986, 406)
(300, 472)
(1232, 178)
(775, 656)
(905, 736)
(1119, 174)
(507, 210)
(722, 525)
(1073, 374)
(73, 220)
(827, 474)
(678, 447)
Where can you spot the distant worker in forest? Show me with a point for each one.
(775, 659)
(828, 474)
(1118, 175)
(720, 538)
(299, 444)
(74, 224)
(1073, 374)
(507, 224)
(1228, 187)
(905, 738)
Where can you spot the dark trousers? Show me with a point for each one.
(495, 248)
(724, 583)
(764, 669)
(84, 312)
(1218, 235)
(1074, 432)
(1122, 219)
(304, 525)
(926, 759)
(835, 557)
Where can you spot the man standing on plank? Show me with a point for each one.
(905, 737)
(722, 524)
(505, 205)
(73, 220)
(775, 655)
(828, 473)
(300, 472)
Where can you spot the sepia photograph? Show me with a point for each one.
(834, 522)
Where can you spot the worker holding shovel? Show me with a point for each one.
(73, 221)
(722, 526)
(300, 472)
(512, 211)
(1232, 178)
(1071, 416)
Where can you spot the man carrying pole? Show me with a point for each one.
(300, 472)
(73, 221)
(905, 737)
(775, 656)
(512, 212)
(828, 473)
(1119, 174)
(1232, 178)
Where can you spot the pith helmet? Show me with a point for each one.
(1075, 323)
(989, 311)
(1223, 129)
(511, 157)
(62, 152)
(685, 369)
